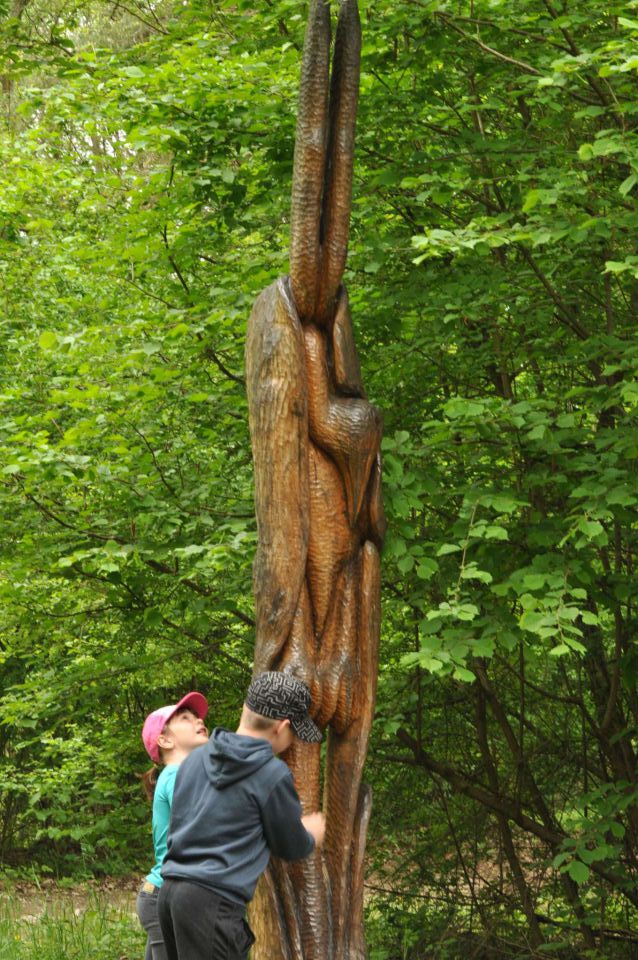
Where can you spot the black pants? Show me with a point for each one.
(199, 925)
(147, 912)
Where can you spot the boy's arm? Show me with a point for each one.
(285, 834)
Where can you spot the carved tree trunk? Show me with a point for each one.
(320, 518)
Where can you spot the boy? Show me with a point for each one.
(234, 805)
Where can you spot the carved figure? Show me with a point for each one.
(315, 441)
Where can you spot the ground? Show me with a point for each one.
(53, 920)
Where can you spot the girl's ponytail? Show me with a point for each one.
(149, 782)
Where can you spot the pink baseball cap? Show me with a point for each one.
(157, 720)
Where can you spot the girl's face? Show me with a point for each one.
(186, 730)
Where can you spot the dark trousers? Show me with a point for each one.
(199, 925)
(147, 912)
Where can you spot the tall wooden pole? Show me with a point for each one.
(320, 520)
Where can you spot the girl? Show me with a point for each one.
(169, 735)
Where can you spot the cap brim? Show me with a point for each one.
(307, 730)
(196, 702)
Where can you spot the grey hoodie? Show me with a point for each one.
(234, 804)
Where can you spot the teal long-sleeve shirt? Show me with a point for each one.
(162, 802)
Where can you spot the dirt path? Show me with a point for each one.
(30, 901)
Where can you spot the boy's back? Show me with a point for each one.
(234, 804)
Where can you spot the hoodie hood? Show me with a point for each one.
(233, 757)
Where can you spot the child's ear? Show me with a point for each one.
(165, 741)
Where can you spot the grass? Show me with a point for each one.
(99, 931)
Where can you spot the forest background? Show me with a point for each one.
(146, 153)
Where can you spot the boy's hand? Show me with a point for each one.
(315, 824)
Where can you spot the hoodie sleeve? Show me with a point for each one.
(285, 834)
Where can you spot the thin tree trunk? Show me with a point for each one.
(536, 937)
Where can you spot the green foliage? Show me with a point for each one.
(145, 177)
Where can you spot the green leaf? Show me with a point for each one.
(460, 407)
(589, 618)
(534, 581)
(446, 548)
(471, 572)
(531, 200)
(426, 568)
(406, 563)
(501, 502)
(461, 673)
(494, 532)
(47, 340)
(604, 146)
(579, 872)
(591, 528)
(467, 611)
(133, 71)
(627, 185)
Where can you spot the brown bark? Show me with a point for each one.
(320, 520)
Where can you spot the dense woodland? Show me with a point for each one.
(146, 154)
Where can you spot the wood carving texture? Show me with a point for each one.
(320, 520)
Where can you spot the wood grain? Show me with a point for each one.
(316, 442)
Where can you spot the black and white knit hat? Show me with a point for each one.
(281, 696)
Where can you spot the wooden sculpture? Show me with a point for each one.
(320, 519)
